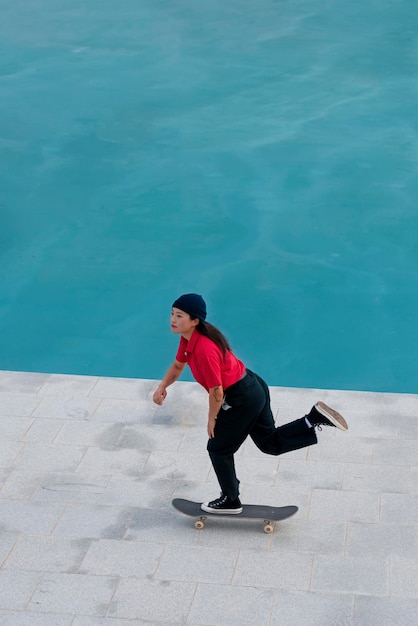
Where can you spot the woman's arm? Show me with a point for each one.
(216, 395)
(173, 373)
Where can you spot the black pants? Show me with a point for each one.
(250, 414)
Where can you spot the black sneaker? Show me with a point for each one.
(323, 415)
(223, 505)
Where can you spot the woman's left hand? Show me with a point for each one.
(211, 427)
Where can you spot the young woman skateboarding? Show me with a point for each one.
(239, 400)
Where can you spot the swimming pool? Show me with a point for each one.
(262, 154)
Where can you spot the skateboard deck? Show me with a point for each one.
(269, 514)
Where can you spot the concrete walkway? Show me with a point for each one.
(88, 468)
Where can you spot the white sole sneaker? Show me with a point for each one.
(333, 416)
(208, 509)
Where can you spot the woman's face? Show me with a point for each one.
(182, 323)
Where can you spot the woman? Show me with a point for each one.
(239, 400)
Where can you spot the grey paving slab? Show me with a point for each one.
(29, 517)
(153, 600)
(312, 609)
(88, 468)
(355, 575)
(122, 558)
(14, 428)
(73, 594)
(345, 505)
(399, 509)
(108, 621)
(378, 479)
(65, 407)
(46, 553)
(274, 570)
(29, 618)
(230, 606)
(382, 540)
(49, 457)
(404, 577)
(384, 611)
(18, 404)
(70, 487)
(16, 588)
(204, 564)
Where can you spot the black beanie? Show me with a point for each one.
(193, 304)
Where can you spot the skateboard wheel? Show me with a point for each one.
(199, 524)
(268, 528)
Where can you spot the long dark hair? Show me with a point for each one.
(213, 333)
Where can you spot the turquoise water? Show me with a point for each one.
(263, 154)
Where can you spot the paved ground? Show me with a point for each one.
(88, 467)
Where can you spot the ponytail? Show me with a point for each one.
(213, 333)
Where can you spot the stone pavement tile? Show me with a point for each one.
(275, 570)
(377, 478)
(346, 574)
(73, 593)
(29, 618)
(73, 407)
(95, 522)
(156, 525)
(43, 430)
(348, 506)
(301, 608)
(340, 449)
(17, 404)
(14, 428)
(395, 452)
(317, 537)
(399, 509)
(197, 564)
(125, 411)
(112, 462)
(69, 487)
(9, 451)
(7, 541)
(65, 385)
(414, 478)
(122, 558)
(177, 466)
(370, 611)
(153, 600)
(381, 540)
(257, 471)
(404, 578)
(215, 605)
(312, 474)
(22, 382)
(401, 403)
(108, 621)
(49, 457)
(121, 388)
(137, 492)
(120, 435)
(20, 484)
(88, 433)
(16, 588)
(408, 427)
(46, 553)
(29, 517)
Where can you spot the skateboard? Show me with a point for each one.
(269, 514)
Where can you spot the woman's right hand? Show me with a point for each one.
(159, 396)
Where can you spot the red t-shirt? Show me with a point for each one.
(207, 363)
